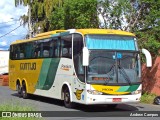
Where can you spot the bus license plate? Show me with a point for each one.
(116, 99)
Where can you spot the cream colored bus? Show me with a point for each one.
(86, 66)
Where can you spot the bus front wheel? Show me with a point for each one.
(67, 100)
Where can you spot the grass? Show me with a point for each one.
(16, 107)
(147, 98)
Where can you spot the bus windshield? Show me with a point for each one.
(113, 60)
(113, 67)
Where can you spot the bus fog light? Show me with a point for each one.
(136, 92)
(94, 92)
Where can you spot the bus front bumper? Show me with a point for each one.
(112, 99)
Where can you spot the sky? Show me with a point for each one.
(9, 20)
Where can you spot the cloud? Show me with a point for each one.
(3, 43)
(10, 15)
(9, 12)
(9, 20)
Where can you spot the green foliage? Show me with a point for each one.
(148, 27)
(141, 17)
(40, 12)
(149, 39)
(114, 13)
(62, 14)
(57, 19)
(148, 98)
(75, 14)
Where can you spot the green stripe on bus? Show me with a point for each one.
(47, 74)
(43, 73)
(128, 88)
(123, 89)
(132, 88)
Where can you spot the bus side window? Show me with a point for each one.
(46, 47)
(28, 50)
(21, 51)
(77, 55)
(56, 48)
(21, 55)
(16, 52)
(11, 52)
(66, 46)
(45, 53)
(65, 52)
(51, 52)
(34, 49)
(38, 52)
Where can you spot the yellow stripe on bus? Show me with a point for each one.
(108, 89)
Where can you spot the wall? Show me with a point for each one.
(4, 57)
(151, 77)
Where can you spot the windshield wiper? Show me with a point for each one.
(122, 71)
(124, 74)
(110, 74)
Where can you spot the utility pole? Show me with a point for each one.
(29, 21)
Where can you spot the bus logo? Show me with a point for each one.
(78, 94)
(107, 89)
(66, 67)
(28, 66)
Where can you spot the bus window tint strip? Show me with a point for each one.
(44, 48)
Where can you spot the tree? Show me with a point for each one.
(40, 12)
(130, 15)
(75, 14)
(61, 14)
(139, 16)
(148, 28)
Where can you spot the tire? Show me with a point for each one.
(24, 93)
(67, 101)
(18, 87)
(157, 100)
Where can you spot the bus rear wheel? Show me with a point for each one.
(67, 100)
(24, 91)
(18, 88)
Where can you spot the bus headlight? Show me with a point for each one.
(136, 92)
(94, 92)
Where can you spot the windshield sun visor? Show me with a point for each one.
(110, 42)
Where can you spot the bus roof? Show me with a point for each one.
(40, 36)
(50, 33)
(83, 31)
(104, 31)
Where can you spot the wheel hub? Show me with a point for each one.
(67, 97)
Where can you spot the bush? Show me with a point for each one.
(148, 98)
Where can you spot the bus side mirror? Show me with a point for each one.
(85, 56)
(148, 57)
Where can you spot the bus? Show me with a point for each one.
(85, 66)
